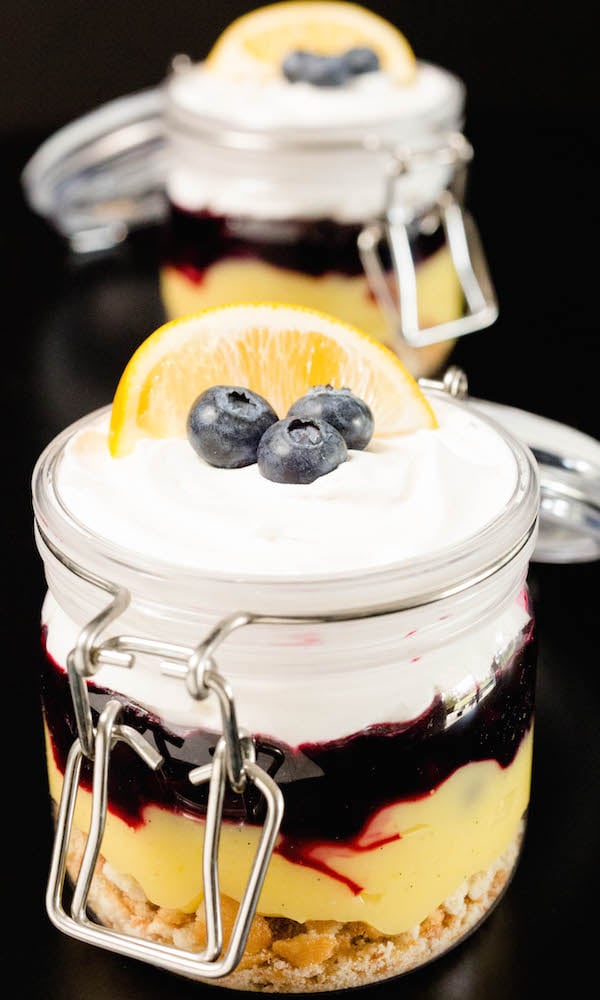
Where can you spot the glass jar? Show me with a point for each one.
(362, 217)
(354, 749)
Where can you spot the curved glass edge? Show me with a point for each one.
(102, 174)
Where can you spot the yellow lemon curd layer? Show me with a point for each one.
(438, 294)
(422, 851)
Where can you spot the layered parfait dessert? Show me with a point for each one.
(274, 461)
(282, 142)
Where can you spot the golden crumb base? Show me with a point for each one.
(283, 956)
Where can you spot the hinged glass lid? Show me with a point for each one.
(103, 174)
(568, 464)
(569, 467)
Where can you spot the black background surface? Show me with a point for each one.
(69, 328)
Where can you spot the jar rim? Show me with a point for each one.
(385, 589)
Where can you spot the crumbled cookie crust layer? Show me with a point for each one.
(283, 956)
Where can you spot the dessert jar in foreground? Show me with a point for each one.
(347, 664)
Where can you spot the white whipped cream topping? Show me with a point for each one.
(402, 497)
(370, 99)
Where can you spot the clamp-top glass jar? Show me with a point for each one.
(368, 808)
(348, 199)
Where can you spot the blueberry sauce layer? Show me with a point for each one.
(194, 241)
(331, 789)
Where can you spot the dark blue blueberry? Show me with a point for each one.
(326, 71)
(294, 65)
(361, 60)
(349, 414)
(225, 424)
(321, 71)
(299, 451)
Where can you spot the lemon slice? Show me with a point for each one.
(275, 349)
(257, 42)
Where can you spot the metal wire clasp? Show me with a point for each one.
(233, 763)
(400, 306)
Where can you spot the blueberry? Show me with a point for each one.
(326, 71)
(299, 451)
(225, 424)
(294, 65)
(349, 414)
(361, 60)
(321, 71)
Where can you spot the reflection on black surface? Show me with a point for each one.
(87, 336)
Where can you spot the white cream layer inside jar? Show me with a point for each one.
(273, 150)
(402, 498)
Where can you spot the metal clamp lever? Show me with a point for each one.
(77, 924)
(401, 307)
(233, 761)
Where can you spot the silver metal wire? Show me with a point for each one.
(401, 306)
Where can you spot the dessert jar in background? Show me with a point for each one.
(355, 842)
(346, 198)
(354, 209)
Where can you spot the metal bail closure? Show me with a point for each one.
(400, 305)
(233, 763)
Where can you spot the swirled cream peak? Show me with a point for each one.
(401, 498)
